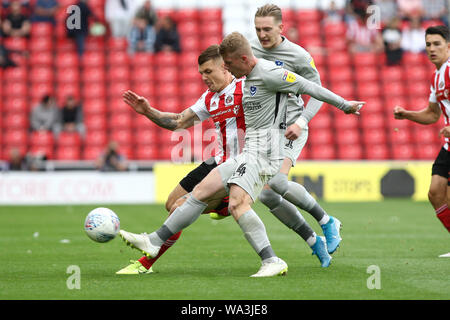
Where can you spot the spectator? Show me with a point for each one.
(358, 8)
(72, 116)
(362, 39)
(142, 35)
(409, 8)
(435, 10)
(333, 11)
(120, 14)
(16, 23)
(413, 35)
(167, 37)
(16, 162)
(80, 34)
(5, 57)
(45, 116)
(45, 11)
(388, 10)
(392, 38)
(111, 159)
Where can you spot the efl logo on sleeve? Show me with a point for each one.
(288, 76)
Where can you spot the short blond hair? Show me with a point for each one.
(235, 43)
(270, 10)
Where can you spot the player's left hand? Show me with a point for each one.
(355, 107)
(445, 131)
(293, 131)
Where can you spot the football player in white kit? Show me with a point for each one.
(438, 50)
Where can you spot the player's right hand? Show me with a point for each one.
(399, 113)
(138, 103)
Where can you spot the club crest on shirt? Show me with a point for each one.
(279, 63)
(253, 90)
(229, 100)
(441, 85)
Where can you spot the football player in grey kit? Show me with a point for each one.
(264, 105)
(280, 195)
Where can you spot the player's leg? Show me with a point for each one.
(181, 217)
(439, 186)
(289, 215)
(177, 193)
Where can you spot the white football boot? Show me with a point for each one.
(140, 242)
(272, 267)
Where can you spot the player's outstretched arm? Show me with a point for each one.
(428, 115)
(166, 120)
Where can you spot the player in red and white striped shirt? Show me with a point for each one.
(438, 49)
(222, 102)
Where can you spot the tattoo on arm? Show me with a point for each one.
(164, 119)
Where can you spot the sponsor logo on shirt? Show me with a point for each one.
(253, 90)
(288, 76)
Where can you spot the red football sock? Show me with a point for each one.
(147, 263)
(443, 214)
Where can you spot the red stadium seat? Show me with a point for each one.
(170, 104)
(41, 138)
(323, 152)
(401, 136)
(377, 152)
(41, 74)
(142, 73)
(425, 135)
(365, 59)
(393, 89)
(403, 152)
(67, 75)
(18, 74)
(17, 104)
(427, 151)
(368, 90)
(321, 120)
(96, 138)
(211, 28)
(117, 59)
(366, 74)
(94, 74)
(14, 120)
(94, 106)
(94, 90)
(343, 88)
(41, 58)
(95, 122)
(122, 120)
(349, 152)
(7, 149)
(144, 88)
(207, 41)
(42, 151)
(66, 60)
(215, 14)
(190, 43)
(392, 74)
(312, 16)
(40, 89)
(118, 73)
(146, 152)
(122, 136)
(374, 136)
(93, 59)
(142, 60)
(320, 136)
(337, 73)
(335, 29)
(64, 90)
(372, 121)
(41, 44)
(115, 89)
(348, 136)
(188, 27)
(411, 59)
(92, 152)
(68, 153)
(345, 121)
(69, 139)
(146, 135)
(418, 89)
(417, 73)
(117, 44)
(41, 29)
(16, 137)
(15, 89)
(16, 43)
(94, 44)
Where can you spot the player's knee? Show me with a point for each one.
(279, 183)
(169, 204)
(269, 198)
(436, 196)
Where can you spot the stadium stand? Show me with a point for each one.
(171, 82)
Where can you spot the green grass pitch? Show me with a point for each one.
(212, 260)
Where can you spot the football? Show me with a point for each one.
(102, 225)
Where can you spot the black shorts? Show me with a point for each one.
(441, 165)
(198, 174)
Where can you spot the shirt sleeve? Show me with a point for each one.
(432, 98)
(200, 109)
(282, 80)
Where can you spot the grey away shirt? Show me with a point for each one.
(296, 59)
(264, 102)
